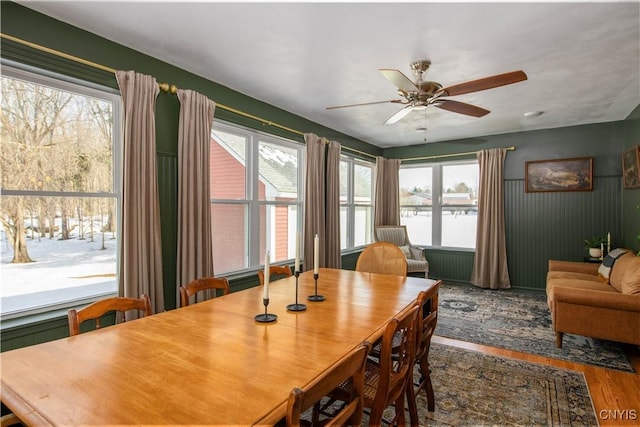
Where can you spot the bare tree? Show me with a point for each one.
(30, 114)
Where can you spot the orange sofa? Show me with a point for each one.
(584, 302)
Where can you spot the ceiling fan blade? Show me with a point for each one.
(460, 107)
(483, 84)
(399, 115)
(393, 101)
(401, 81)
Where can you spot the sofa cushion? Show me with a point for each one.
(619, 269)
(631, 281)
(571, 275)
(579, 284)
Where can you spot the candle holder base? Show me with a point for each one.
(315, 297)
(266, 318)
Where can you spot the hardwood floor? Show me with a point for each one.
(615, 394)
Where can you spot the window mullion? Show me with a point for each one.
(253, 192)
(437, 205)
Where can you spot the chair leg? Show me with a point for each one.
(375, 417)
(425, 381)
(559, 339)
(413, 407)
(400, 418)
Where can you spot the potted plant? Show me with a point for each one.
(594, 246)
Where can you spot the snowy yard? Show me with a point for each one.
(73, 267)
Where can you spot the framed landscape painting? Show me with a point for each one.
(559, 175)
(631, 167)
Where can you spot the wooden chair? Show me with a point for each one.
(426, 325)
(382, 257)
(99, 308)
(397, 234)
(10, 420)
(385, 381)
(192, 288)
(349, 368)
(278, 271)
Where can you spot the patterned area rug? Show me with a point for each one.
(474, 389)
(518, 321)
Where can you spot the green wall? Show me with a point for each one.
(543, 226)
(539, 226)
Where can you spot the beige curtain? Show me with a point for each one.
(314, 200)
(195, 247)
(333, 258)
(140, 245)
(387, 192)
(490, 264)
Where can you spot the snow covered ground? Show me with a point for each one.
(62, 269)
(458, 230)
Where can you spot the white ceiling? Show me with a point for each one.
(582, 59)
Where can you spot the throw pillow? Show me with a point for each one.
(619, 269)
(631, 279)
(607, 263)
(406, 251)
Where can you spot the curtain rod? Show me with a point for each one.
(165, 87)
(440, 156)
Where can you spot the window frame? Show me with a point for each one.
(39, 76)
(252, 202)
(437, 170)
(351, 203)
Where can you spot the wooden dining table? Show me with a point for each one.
(210, 363)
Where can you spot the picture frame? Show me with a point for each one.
(574, 174)
(631, 167)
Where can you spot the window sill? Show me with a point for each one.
(19, 310)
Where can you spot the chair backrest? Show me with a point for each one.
(396, 234)
(382, 257)
(119, 305)
(427, 320)
(349, 367)
(275, 272)
(396, 362)
(202, 284)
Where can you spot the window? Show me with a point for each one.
(439, 203)
(356, 207)
(59, 208)
(256, 197)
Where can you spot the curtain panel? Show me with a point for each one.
(140, 245)
(195, 245)
(314, 199)
(387, 192)
(490, 268)
(333, 258)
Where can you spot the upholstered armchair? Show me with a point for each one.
(397, 234)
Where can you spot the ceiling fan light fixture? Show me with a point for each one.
(530, 114)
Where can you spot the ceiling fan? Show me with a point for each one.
(420, 94)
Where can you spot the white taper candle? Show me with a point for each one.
(297, 265)
(266, 275)
(316, 254)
